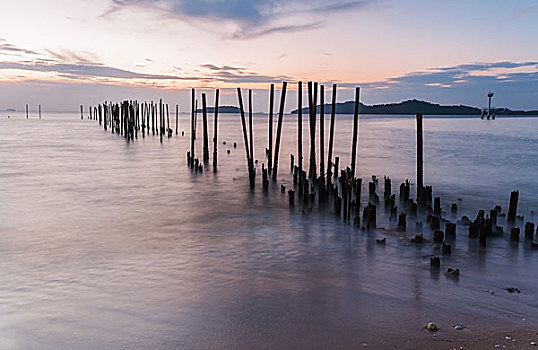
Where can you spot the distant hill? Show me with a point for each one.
(222, 109)
(412, 107)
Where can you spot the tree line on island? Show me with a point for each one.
(411, 107)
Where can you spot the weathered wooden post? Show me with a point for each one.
(215, 130)
(512, 209)
(177, 117)
(40, 112)
(206, 137)
(271, 104)
(355, 131)
(251, 135)
(312, 90)
(300, 132)
(331, 139)
(245, 136)
(420, 155)
(529, 230)
(193, 127)
(279, 128)
(322, 140)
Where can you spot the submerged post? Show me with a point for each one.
(279, 128)
(271, 104)
(355, 131)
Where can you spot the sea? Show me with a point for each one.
(110, 244)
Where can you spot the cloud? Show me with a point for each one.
(515, 84)
(252, 18)
(14, 49)
(86, 71)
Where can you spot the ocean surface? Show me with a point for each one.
(108, 244)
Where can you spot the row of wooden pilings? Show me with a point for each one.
(337, 189)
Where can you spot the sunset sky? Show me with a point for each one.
(62, 53)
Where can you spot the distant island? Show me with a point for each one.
(222, 109)
(11, 110)
(413, 107)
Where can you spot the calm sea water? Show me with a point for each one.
(109, 244)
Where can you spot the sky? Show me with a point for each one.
(64, 53)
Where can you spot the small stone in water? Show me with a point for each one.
(459, 327)
(432, 327)
(533, 343)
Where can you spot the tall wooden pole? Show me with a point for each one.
(39, 111)
(251, 135)
(193, 128)
(279, 128)
(420, 155)
(244, 125)
(206, 137)
(271, 105)
(312, 95)
(331, 139)
(355, 132)
(322, 134)
(177, 117)
(300, 130)
(215, 130)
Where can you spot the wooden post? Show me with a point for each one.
(204, 119)
(355, 131)
(279, 128)
(177, 117)
(512, 209)
(153, 120)
(193, 128)
(244, 127)
(271, 104)
(168, 128)
(39, 111)
(300, 131)
(420, 155)
(81, 114)
(331, 139)
(215, 130)
(251, 137)
(322, 138)
(312, 95)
